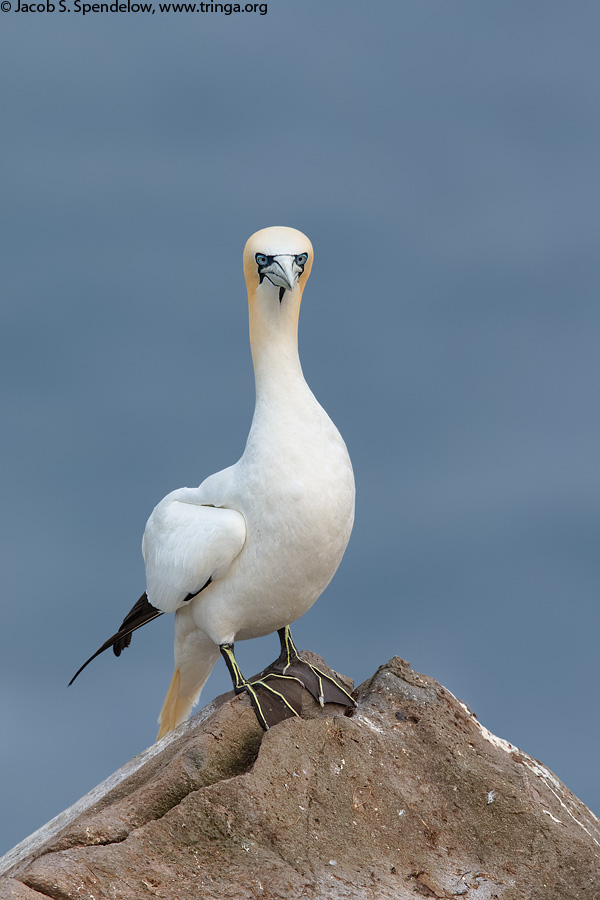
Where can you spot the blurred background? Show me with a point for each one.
(443, 158)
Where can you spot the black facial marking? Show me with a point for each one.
(300, 261)
(259, 257)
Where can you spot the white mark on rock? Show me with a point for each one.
(554, 819)
(552, 782)
(362, 718)
(575, 819)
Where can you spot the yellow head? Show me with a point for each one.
(277, 260)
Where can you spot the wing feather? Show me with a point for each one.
(138, 615)
(185, 545)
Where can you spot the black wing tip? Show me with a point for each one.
(100, 650)
(80, 670)
(121, 644)
(142, 612)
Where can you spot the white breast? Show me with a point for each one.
(294, 487)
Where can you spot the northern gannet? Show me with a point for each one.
(250, 550)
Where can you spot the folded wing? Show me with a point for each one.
(186, 545)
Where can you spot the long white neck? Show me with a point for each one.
(274, 343)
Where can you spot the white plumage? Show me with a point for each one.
(250, 550)
(185, 544)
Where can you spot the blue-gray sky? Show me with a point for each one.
(443, 158)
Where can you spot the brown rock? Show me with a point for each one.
(408, 797)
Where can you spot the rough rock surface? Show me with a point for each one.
(408, 797)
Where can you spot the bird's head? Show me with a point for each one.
(276, 261)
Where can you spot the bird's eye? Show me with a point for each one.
(301, 259)
(261, 259)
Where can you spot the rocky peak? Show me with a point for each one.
(407, 796)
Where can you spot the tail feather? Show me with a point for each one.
(191, 671)
(175, 709)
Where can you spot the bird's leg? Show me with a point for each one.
(323, 687)
(275, 696)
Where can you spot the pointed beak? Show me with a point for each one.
(285, 272)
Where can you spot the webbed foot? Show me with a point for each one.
(323, 687)
(274, 696)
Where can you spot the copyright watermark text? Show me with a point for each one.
(129, 6)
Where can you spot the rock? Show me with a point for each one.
(406, 797)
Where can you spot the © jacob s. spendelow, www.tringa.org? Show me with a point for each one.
(251, 549)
